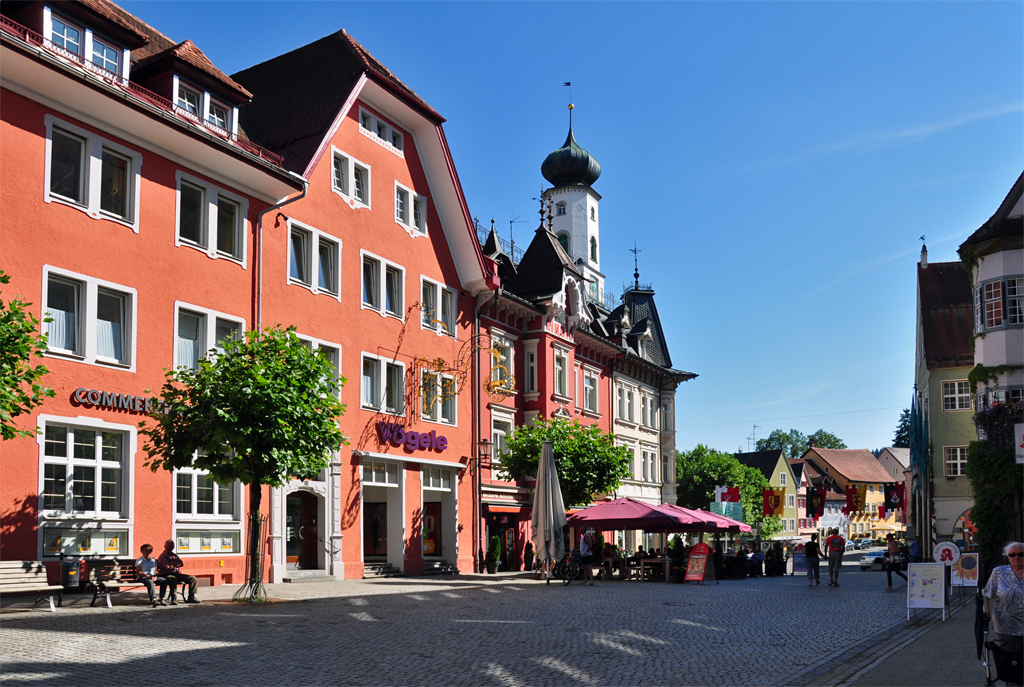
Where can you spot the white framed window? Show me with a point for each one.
(630, 415)
(419, 214)
(437, 307)
(593, 249)
(956, 395)
(561, 372)
(590, 386)
(85, 466)
(792, 525)
(330, 351)
(531, 371)
(188, 98)
(560, 208)
(92, 321)
(955, 459)
(106, 56)
(383, 384)
(438, 396)
(1015, 300)
(437, 479)
(218, 115)
(791, 501)
(66, 35)
(350, 179)
(314, 260)
(199, 331)
(380, 473)
(198, 497)
(593, 215)
(381, 131)
(210, 218)
(782, 479)
(401, 204)
(644, 414)
(88, 172)
(999, 303)
(383, 286)
(410, 210)
(501, 427)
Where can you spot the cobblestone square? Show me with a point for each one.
(474, 630)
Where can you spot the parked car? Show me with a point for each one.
(873, 560)
(865, 543)
(850, 546)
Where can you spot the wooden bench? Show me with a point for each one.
(110, 576)
(29, 576)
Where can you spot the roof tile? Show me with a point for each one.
(856, 465)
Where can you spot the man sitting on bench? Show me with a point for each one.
(170, 567)
(146, 572)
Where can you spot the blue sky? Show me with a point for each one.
(775, 163)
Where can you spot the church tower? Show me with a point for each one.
(573, 203)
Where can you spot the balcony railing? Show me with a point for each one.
(513, 251)
(32, 38)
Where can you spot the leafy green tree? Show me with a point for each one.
(794, 443)
(823, 439)
(262, 410)
(587, 459)
(902, 436)
(698, 472)
(20, 388)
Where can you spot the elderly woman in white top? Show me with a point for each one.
(1004, 595)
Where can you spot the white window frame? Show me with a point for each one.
(530, 380)
(436, 414)
(413, 201)
(209, 327)
(560, 208)
(316, 237)
(380, 405)
(957, 391)
(782, 479)
(118, 53)
(382, 268)
(86, 325)
(367, 474)
(954, 456)
(592, 375)
(791, 501)
(316, 344)
(82, 31)
(209, 230)
(211, 104)
(92, 173)
(193, 517)
(437, 324)
(129, 447)
(375, 123)
(560, 383)
(427, 478)
(348, 193)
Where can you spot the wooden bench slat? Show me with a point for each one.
(29, 588)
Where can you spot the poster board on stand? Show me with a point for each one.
(696, 567)
(965, 571)
(926, 587)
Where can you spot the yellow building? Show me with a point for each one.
(777, 470)
(859, 467)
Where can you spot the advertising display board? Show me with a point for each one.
(926, 587)
(965, 571)
(698, 563)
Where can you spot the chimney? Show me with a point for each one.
(924, 257)
(810, 443)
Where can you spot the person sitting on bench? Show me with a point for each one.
(146, 572)
(170, 567)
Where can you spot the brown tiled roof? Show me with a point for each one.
(117, 16)
(856, 465)
(190, 54)
(1005, 232)
(945, 291)
(313, 81)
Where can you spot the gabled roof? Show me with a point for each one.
(118, 17)
(856, 465)
(643, 313)
(765, 461)
(1004, 229)
(190, 54)
(945, 292)
(541, 272)
(299, 94)
(902, 455)
(797, 466)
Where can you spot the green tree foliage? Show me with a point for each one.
(20, 388)
(587, 459)
(902, 436)
(261, 411)
(700, 470)
(794, 443)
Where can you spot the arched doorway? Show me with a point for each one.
(964, 532)
(301, 531)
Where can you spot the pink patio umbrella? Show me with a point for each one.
(628, 514)
(708, 522)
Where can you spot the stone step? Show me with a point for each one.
(439, 568)
(307, 576)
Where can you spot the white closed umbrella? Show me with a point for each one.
(548, 519)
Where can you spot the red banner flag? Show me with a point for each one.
(732, 495)
(815, 502)
(881, 511)
(854, 500)
(772, 501)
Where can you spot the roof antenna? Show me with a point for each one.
(636, 269)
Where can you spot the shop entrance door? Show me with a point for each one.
(301, 531)
(375, 530)
(432, 528)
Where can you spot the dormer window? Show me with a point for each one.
(188, 99)
(66, 36)
(381, 131)
(105, 55)
(218, 115)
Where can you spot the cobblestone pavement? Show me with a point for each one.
(468, 630)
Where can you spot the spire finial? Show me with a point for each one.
(636, 267)
(569, 84)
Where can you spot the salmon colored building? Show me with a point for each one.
(153, 207)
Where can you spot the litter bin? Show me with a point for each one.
(70, 574)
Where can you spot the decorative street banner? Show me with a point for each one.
(772, 501)
(728, 509)
(895, 496)
(697, 565)
(854, 499)
(815, 502)
(965, 571)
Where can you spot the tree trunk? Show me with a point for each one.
(255, 532)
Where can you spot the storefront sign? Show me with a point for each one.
(398, 435)
(946, 552)
(107, 399)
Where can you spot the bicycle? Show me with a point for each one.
(570, 567)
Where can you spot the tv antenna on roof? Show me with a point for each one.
(511, 240)
(752, 439)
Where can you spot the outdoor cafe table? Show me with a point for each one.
(653, 563)
(614, 562)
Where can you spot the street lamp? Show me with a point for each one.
(483, 454)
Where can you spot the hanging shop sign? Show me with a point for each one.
(110, 400)
(397, 435)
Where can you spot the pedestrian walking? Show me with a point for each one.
(587, 554)
(893, 560)
(915, 550)
(835, 545)
(812, 554)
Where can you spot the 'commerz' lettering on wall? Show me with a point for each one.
(107, 399)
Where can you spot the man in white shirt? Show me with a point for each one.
(146, 572)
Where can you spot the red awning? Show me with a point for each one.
(504, 509)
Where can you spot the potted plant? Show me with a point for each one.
(528, 556)
(493, 554)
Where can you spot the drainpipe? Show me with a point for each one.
(478, 432)
(259, 245)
